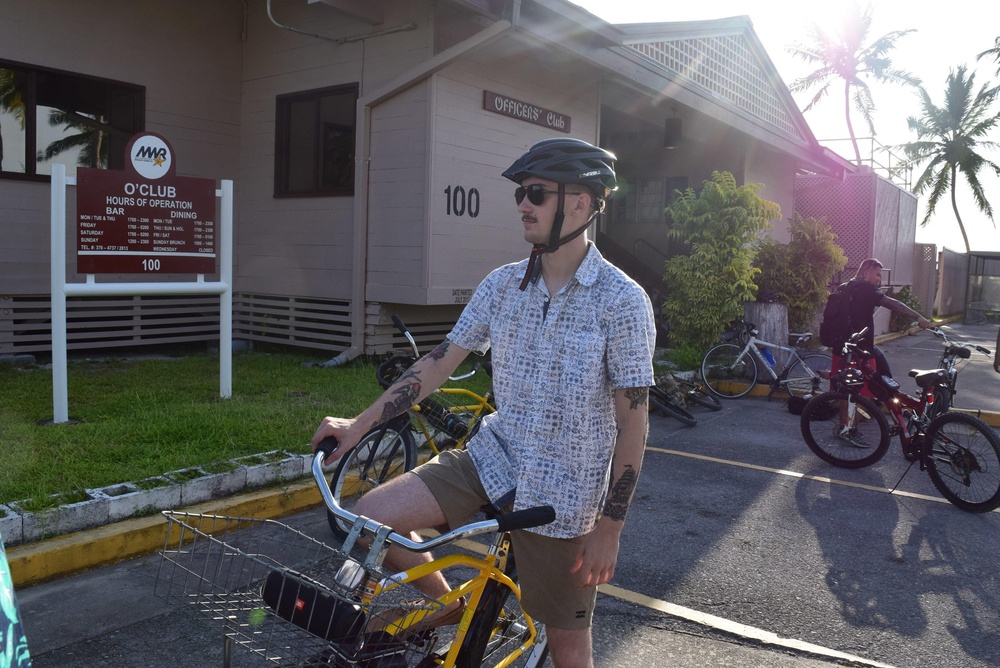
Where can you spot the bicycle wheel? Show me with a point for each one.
(964, 461)
(800, 377)
(726, 373)
(696, 395)
(667, 407)
(381, 454)
(498, 627)
(863, 444)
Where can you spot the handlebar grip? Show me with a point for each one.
(985, 351)
(326, 446)
(527, 518)
(398, 323)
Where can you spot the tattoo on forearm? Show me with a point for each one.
(440, 351)
(637, 397)
(405, 396)
(620, 494)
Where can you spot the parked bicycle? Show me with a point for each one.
(446, 419)
(730, 370)
(673, 396)
(295, 601)
(960, 452)
(944, 395)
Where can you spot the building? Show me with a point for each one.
(365, 141)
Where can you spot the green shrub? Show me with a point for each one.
(709, 284)
(800, 270)
(899, 322)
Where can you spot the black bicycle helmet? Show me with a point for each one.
(566, 161)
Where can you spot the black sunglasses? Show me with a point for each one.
(536, 193)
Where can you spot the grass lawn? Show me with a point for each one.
(139, 416)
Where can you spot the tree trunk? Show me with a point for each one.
(771, 319)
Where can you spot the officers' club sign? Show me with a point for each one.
(508, 106)
(145, 219)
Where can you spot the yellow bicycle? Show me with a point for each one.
(296, 601)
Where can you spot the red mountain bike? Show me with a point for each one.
(960, 452)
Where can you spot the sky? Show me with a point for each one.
(942, 40)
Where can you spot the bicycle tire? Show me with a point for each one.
(667, 407)
(497, 628)
(820, 425)
(381, 454)
(800, 376)
(964, 461)
(726, 374)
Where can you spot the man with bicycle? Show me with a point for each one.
(572, 340)
(866, 297)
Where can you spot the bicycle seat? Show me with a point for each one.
(928, 377)
(958, 351)
(798, 338)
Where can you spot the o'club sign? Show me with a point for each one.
(145, 219)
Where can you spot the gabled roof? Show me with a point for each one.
(725, 59)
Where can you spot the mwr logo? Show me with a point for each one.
(151, 157)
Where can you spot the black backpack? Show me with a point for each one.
(836, 326)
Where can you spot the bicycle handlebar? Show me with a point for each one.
(938, 332)
(397, 321)
(519, 519)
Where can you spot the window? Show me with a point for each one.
(47, 117)
(314, 142)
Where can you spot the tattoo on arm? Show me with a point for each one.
(405, 396)
(620, 495)
(440, 351)
(637, 397)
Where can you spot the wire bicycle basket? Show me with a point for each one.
(274, 591)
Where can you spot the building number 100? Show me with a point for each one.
(459, 204)
(150, 265)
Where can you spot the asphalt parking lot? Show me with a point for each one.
(741, 549)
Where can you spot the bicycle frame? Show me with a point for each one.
(895, 402)
(778, 380)
(476, 408)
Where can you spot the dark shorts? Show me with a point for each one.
(548, 591)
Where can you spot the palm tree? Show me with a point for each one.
(90, 141)
(949, 138)
(10, 101)
(993, 53)
(843, 55)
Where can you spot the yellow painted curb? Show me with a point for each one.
(58, 557)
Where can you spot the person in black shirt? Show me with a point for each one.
(865, 298)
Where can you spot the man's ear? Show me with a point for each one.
(584, 202)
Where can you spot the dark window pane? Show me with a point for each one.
(65, 118)
(314, 142)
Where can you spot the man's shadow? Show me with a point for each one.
(854, 529)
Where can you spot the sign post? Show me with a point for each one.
(143, 220)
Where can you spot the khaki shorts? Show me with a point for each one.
(548, 591)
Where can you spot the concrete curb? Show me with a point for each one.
(65, 555)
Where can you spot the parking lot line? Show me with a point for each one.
(796, 474)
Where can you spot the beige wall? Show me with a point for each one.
(304, 246)
(188, 57)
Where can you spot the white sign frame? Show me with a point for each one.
(61, 290)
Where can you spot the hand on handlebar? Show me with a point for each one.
(339, 429)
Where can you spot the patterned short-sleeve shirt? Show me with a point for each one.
(556, 365)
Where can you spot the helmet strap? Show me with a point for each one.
(534, 269)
